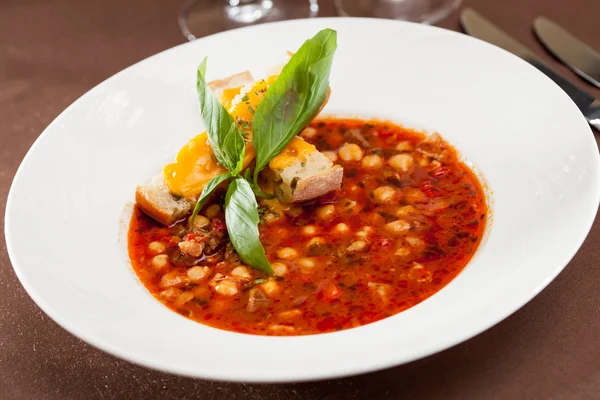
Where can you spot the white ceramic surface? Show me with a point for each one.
(65, 218)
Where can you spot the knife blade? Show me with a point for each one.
(476, 25)
(575, 54)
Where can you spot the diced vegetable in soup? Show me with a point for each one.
(406, 221)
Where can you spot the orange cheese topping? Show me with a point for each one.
(296, 150)
(195, 164)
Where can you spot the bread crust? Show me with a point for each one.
(151, 208)
(307, 189)
(237, 80)
(311, 187)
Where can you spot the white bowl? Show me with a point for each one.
(66, 224)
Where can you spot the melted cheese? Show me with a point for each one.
(195, 164)
(296, 150)
(228, 96)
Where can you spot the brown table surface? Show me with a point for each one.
(52, 52)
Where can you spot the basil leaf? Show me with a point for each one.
(241, 218)
(294, 99)
(208, 189)
(224, 136)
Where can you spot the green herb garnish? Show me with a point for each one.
(289, 104)
(294, 99)
(223, 134)
(241, 218)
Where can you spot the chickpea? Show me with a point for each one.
(280, 268)
(341, 228)
(290, 314)
(271, 217)
(170, 293)
(326, 212)
(350, 152)
(331, 155)
(198, 274)
(397, 227)
(364, 232)
(309, 230)
(241, 272)
(413, 195)
(183, 298)
(173, 279)
(201, 292)
(357, 246)
(287, 253)
(309, 133)
(372, 161)
(270, 288)
(419, 273)
(424, 161)
(404, 211)
(384, 194)
(401, 162)
(156, 247)
(404, 146)
(282, 329)
(200, 222)
(226, 287)
(294, 211)
(212, 211)
(414, 241)
(382, 290)
(306, 264)
(316, 241)
(160, 261)
(402, 252)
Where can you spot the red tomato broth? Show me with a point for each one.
(441, 200)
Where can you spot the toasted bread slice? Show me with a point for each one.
(234, 81)
(156, 199)
(307, 178)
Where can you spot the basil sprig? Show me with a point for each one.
(289, 104)
(228, 146)
(294, 99)
(206, 192)
(241, 218)
(224, 137)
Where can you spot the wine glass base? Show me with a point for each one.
(204, 17)
(421, 11)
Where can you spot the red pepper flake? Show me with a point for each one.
(218, 224)
(326, 324)
(190, 236)
(383, 133)
(429, 190)
(403, 284)
(440, 172)
(329, 293)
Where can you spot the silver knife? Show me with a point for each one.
(575, 54)
(476, 25)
